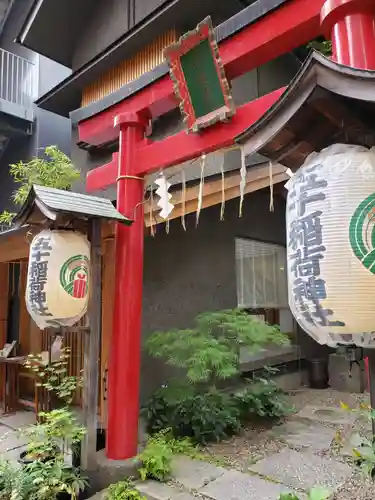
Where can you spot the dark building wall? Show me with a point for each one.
(120, 16)
(47, 128)
(19, 148)
(186, 273)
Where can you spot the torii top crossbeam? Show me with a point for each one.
(350, 25)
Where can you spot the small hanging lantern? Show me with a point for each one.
(58, 279)
(331, 245)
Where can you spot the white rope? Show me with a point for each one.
(201, 186)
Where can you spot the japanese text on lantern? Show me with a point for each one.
(307, 247)
(38, 276)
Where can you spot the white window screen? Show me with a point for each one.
(261, 275)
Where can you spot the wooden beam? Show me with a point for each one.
(181, 147)
(92, 352)
(232, 179)
(216, 198)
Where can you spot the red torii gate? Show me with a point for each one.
(350, 25)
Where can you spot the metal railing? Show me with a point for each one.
(17, 79)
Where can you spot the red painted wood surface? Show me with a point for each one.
(125, 350)
(182, 146)
(288, 27)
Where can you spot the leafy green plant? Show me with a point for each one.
(156, 458)
(262, 397)
(322, 46)
(53, 169)
(209, 352)
(15, 483)
(317, 493)
(54, 377)
(363, 448)
(123, 490)
(205, 418)
(56, 430)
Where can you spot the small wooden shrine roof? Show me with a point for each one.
(54, 204)
(325, 103)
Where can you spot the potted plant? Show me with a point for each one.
(57, 432)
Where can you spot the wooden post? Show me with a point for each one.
(92, 352)
(371, 369)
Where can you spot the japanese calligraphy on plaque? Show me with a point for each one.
(330, 224)
(58, 278)
(199, 78)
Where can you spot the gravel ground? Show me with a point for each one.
(256, 441)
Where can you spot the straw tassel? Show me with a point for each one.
(222, 208)
(243, 173)
(271, 208)
(201, 186)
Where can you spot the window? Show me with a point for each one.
(261, 275)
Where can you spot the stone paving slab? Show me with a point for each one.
(234, 485)
(19, 419)
(193, 474)
(327, 414)
(305, 434)
(10, 440)
(159, 491)
(303, 470)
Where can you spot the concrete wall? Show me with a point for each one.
(186, 273)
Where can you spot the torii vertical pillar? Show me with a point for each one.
(124, 358)
(350, 24)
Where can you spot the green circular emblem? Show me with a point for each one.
(74, 276)
(362, 233)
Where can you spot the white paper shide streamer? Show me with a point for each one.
(164, 196)
(201, 186)
(243, 173)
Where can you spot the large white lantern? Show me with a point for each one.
(330, 220)
(58, 278)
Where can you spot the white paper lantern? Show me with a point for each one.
(330, 220)
(58, 278)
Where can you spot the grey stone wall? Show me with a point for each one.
(186, 273)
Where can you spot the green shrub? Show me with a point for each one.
(262, 397)
(317, 493)
(123, 490)
(210, 351)
(206, 417)
(156, 458)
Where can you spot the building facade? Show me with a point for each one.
(117, 62)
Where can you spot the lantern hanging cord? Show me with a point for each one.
(120, 177)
